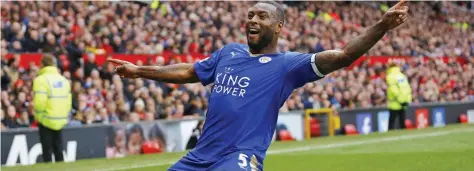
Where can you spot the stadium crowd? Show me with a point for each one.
(99, 96)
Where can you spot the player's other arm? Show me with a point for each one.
(176, 73)
(331, 60)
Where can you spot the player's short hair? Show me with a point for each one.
(280, 10)
(48, 60)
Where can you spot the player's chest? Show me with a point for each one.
(248, 71)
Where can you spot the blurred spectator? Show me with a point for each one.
(24, 119)
(10, 120)
(5, 79)
(90, 65)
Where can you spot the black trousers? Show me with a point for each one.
(51, 142)
(394, 114)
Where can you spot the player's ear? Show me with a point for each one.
(279, 26)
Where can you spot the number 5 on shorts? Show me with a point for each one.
(243, 158)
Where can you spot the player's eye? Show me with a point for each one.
(250, 16)
(262, 17)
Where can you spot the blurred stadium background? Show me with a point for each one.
(115, 118)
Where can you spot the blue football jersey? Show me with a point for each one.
(248, 91)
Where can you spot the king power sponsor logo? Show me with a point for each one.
(19, 150)
(230, 84)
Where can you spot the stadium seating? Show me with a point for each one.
(350, 129)
(315, 130)
(463, 118)
(409, 124)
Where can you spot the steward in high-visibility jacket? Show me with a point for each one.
(52, 104)
(398, 95)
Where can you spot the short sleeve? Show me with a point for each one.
(302, 68)
(206, 68)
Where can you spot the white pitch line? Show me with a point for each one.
(372, 141)
(313, 147)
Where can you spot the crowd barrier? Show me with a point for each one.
(22, 147)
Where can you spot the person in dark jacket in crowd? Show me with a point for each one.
(10, 120)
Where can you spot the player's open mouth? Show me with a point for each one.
(253, 33)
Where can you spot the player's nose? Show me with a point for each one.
(253, 20)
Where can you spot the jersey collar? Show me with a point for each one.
(258, 55)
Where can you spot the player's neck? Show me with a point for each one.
(265, 50)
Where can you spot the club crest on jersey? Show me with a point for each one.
(264, 59)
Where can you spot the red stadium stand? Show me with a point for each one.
(315, 130)
(463, 118)
(315, 127)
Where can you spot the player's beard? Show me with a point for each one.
(264, 40)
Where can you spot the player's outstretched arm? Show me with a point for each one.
(177, 73)
(331, 60)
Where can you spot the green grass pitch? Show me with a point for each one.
(449, 148)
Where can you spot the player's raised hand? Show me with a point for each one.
(124, 68)
(395, 16)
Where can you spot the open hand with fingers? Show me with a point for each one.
(395, 16)
(124, 68)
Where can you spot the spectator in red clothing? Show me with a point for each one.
(106, 45)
